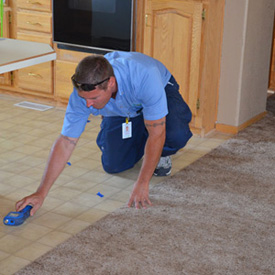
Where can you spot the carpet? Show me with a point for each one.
(216, 216)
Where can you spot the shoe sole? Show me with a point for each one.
(167, 174)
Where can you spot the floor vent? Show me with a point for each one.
(33, 106)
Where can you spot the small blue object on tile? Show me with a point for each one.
(88, 120)
(100, 195)
(69, 163)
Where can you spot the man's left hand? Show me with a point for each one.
(140, 196)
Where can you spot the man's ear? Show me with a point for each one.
(112, 81)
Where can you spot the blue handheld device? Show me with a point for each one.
(17, 218)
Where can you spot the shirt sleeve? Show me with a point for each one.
(152, 95)
(76, 116)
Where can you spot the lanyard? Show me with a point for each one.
(1, 16)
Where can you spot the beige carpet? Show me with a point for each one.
(217, 216)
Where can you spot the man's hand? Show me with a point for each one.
(153, 149)
(140, 196)
(35, 200)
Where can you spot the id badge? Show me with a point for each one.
(126, 130)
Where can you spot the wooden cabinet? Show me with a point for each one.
(63, 85)
(32, 21)
(5, 79)
(186, 37)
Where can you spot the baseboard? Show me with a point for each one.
(229, 129)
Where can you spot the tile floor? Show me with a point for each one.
(26, 137)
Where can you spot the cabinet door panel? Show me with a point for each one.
(34, 21)
(5, 79)
(36, 78)
(37, 37)
(40, 5)
(173, 36)
(63, 84)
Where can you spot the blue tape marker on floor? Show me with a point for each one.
(100, 195)
(88, 120)
(69, 163)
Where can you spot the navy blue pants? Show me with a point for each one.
(121, 154)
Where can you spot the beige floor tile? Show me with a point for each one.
(92, 215)
(18, 181)
(5, 124)
(70, 209)
(42, 143)
(27, 149)
(6, 189)
(96, 176)
(51, 220)
(74, 226)
(54, 238)
(12, 264)
(86, 163)
(11, 243)
(63, 179)
(36, 132)
(42, 154)
(31, 231)
(10, 156)
(64, 193)
(20, 129)
(15, 167)
(33, 251)
(118, 182)
(34, 173)
(75, 171)
(3, 255)
(32, 160)
(80, 184)
(122, 196)
(8, 135)
(87, 199)
(50, 204)
(109, 205)
(17, 195)
(105, 190)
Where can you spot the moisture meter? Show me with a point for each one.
(17, 218)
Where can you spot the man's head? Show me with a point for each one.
(94, 80)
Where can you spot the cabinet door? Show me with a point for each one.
(63, 84)
(32, 21)
(5, 79)
(37, 78)
(40, 5)
(173, 36)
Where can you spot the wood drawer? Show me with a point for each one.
(34, 21)
(39, 5)
(37, 78)
(63, 84)
(35, 37)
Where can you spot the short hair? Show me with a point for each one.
(93, 69)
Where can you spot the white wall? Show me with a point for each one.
(246, 53)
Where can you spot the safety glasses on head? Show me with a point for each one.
(84, 86)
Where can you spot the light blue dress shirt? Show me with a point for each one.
(141, 81)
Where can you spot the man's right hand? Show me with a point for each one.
(35, 200)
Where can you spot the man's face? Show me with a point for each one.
(96, 98)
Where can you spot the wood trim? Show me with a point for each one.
(229, 129)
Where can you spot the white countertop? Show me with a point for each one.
(18, 54)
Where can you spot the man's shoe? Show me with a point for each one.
(164, 167)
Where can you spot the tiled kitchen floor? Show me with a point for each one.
(26, 137)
